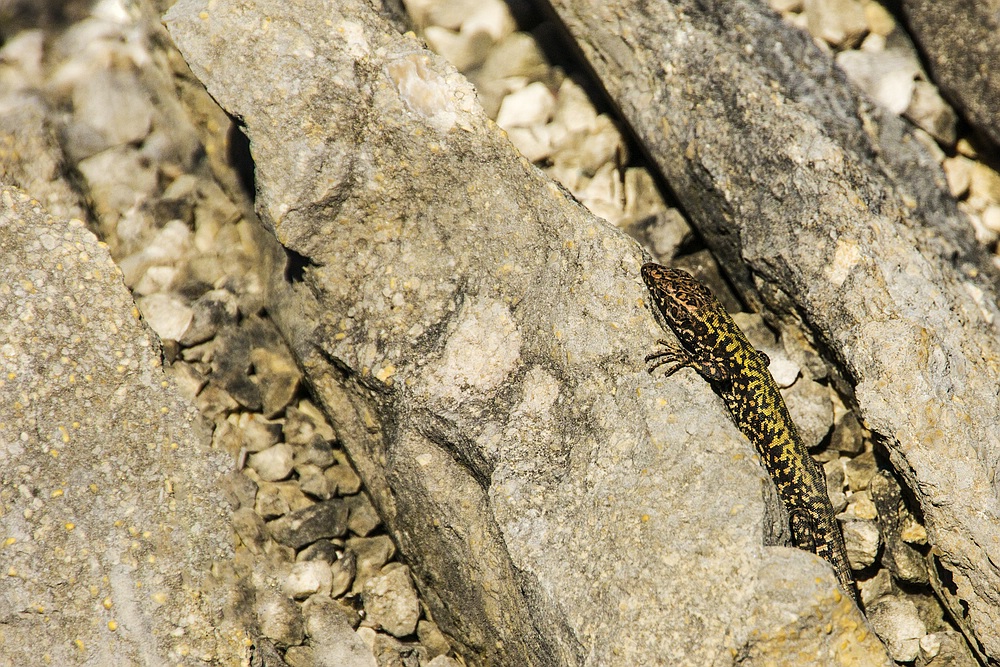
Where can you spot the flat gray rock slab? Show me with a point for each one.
(110, 509)
(477, 339)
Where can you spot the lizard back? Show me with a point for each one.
(713, 345)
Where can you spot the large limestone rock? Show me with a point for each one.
(111, 511)
(814, 201)
(477, 338)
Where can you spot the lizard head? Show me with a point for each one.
(678, 297)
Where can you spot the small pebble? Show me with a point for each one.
(306, 578)
(841, 23)
(257, 433)
(372, 554)
(848, 436)
(300, 656)
(945, 648)
(958, 172)
(317, 521)
(344, 479)
(431, 636)
(279, 377)
(928, 111)
(279, 498)
(324, 550)
(860, 506)
(280, 618)
(214, 401)
(317, 452)
(465, 49)
(212, 310)
(344, 571)
(391, 600)
(332, 636)
(274, 463)
(250, 529)
(897, 623)
(313, 482)
(532, 105)
(862, 540)
(363, 518)
(887, 76)
(167, 314)
(834, 471)
(911, 531)
(859, 471)
(984, 184)
(303, 422)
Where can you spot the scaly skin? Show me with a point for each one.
(713, 345)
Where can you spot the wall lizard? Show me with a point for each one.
(713, 345)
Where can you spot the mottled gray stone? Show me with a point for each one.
(363, 518)
(344, 570)
(305, 526)
(896, 621)
(961, 42)
(391, 600)
(307, 578)
(108, 487)
(280, 618)
(212, 310)
(334, 642)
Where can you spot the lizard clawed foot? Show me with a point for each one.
(670, 354)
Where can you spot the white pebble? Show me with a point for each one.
(532, 105)
(274, 463)
(308, 577)
(167, 314)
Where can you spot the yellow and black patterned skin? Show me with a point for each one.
(713, 345)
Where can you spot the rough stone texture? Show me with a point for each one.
(111, 510)
(477, 339)
(26, 133)
(335, 644)
(391, 601)
(311, 523)
(961, 42)
(803, 192)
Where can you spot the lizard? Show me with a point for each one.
(712, 344)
